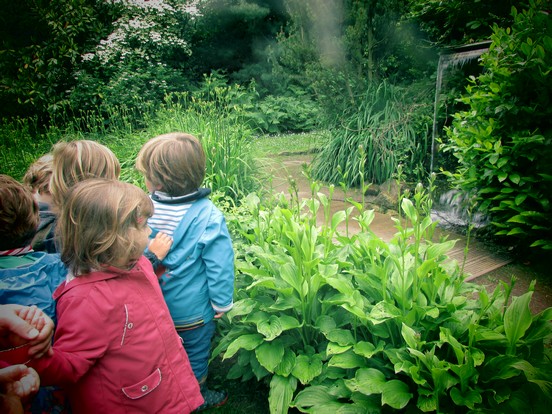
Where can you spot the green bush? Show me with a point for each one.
(503, 141)
(354, 324)
(390, 126)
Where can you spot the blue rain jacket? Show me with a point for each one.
(199, 276)
(31, 279)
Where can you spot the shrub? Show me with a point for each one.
(503, 142)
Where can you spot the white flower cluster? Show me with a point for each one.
(191, 7)
(147, 30)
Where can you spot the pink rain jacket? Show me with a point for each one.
(115, 346)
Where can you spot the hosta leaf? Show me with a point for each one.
(409, 210)
(290, 274)
(334, 349)
(286, 302)
(383, 311)
(395, 393)
(367, 349)
(288, 322)
(367, 381)
(502, 367)
(242, 307)
(347, 360)
(483, 333)
(341, 336)
(438, 249)
(281, 393)
(325, 323)
(270, 328)
(445, 335)
(468, 398)
(316, 396)
(287, 363)
(307, 368)
(270, 354)
(338, 217)
(341, 284)
(410, 336)
(248, 342)
(517, 319)
(427, 403)
(237, 371)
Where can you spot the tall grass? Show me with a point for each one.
(388, 127)
(226, 140)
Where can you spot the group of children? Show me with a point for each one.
(133, 282)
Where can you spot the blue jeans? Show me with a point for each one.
(197, 343)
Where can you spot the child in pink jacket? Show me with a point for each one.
(115, 347)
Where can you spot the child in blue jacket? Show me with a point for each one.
(198, 281)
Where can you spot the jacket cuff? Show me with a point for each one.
(222, 309)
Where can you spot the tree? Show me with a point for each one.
(455, 22)
(41, 43)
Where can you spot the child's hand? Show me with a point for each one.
(26, 324)
(160, 245)
(17, 383)
(219, 315)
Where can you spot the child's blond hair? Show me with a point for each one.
(97, 222)
(174, 163)
(18, 214)
(76, 161)
(38, 175)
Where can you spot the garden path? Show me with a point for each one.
(483, 264)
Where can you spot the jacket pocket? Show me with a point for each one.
(143, 387)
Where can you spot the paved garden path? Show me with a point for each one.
(479, 260)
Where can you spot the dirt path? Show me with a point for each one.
(483, 264)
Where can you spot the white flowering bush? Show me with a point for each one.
(142, 59)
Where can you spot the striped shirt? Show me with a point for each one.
(166, 217)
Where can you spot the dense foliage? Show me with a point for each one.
(390, 127)
(338, 323)
(41, 43)
(503, 141)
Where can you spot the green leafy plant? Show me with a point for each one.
(337, 323)
(390, 131)
(503, 141)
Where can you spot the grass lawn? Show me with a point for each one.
(274, 145)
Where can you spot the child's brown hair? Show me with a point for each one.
(38, 175)
(76, 161)
(18, 214)
(174, 163)
(97, 222)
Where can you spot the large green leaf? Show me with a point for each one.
(281, 393)
(248, 342)
(367, 381)
(307, 368)
(383, 311)
(347, 360)
(367, 349)
(270, 354)
(270, 328)
(396, 394)
(342, 336)
(287, 363)
(469, 398)
(517, 319)
(290, 274)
